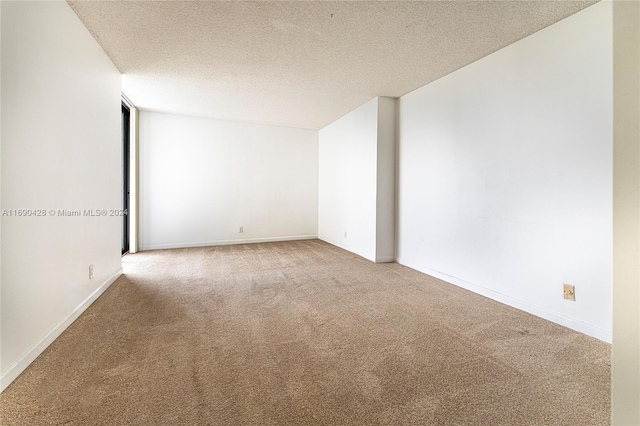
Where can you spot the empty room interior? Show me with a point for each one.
(316, 212)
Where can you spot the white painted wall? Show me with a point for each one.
(202, 179)
(60, 150)
(356, 184)
(505, 182)
(347, 182)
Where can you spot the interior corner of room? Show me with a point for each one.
(510, 177)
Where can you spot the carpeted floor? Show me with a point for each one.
(304, 333)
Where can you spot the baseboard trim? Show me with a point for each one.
(37, 348)
(385, 259)
(349, 249)
(539, 311)
(143, 247)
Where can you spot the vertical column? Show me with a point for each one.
(625, 380)
(133, 181)
(385, 180)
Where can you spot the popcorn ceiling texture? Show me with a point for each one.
(299, 64)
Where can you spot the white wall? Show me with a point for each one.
(202, 179)
(60, 150)
(356, 184)
(506, 174)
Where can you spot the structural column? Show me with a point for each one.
(625, 378)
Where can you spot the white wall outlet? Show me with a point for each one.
(90, 272)
(345, 234)
(241, 230)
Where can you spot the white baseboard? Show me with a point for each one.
(539, 311)
(143, 247)
(37, 348)
(347, 248)
(380, 259)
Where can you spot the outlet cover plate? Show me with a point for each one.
(569, 292)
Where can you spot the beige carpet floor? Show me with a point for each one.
(304, 333)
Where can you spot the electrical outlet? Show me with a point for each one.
(345, 234)
(241, 230)
(90, 272)
(569, 292)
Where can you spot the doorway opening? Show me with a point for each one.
(126, 115)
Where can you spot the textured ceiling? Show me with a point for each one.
(299, 64)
